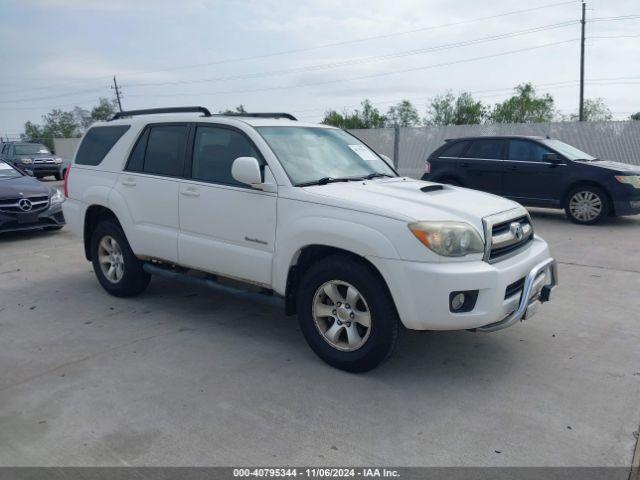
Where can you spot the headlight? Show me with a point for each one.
(56, 197)
(633, 180)
(450, 239)
(26, 160)
(57, 160)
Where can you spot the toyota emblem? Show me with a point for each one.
(516, 230)
(25, 204)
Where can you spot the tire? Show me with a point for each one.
(58, 176)
(586, 205)
(355, 347)
(126, 281)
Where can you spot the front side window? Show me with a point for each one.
(526, 151)
(309, 154)
(7, 171)
(165, 148)
(215, 150)
(485, 149)
(97, 142)
(31, 149)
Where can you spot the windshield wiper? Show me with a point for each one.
(376, 175)
(325, 180)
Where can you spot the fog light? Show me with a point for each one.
(458, 301)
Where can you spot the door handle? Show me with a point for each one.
(129, 182)
(190, 192)
(513, 167)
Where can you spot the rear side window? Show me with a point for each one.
(454, 150)
(97, 142)
(485, 149)
(160, 151)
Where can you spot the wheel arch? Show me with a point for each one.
(311, 254)
(92, 217)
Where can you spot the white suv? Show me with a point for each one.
(307, 212)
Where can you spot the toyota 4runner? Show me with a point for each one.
(308, 213)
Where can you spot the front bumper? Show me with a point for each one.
(49, 217)
(43, 169)
(421, 290)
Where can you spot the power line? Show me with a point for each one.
(363, 60)
(363, 77)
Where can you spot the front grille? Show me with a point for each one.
(508, 236)
(10, 205)
(40, 161)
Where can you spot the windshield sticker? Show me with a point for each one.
(363, 152)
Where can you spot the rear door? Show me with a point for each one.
(481, 166)
(226, 227)
(150, 186)
(528, 178)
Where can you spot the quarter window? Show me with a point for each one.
(160, 151)
(97, 142)
(485, 149)
(215, 150)
(526, 151)
(454, 150)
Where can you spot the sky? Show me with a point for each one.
(304, 57)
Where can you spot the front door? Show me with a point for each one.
(529, 178)
(226, 227)
(481, 166)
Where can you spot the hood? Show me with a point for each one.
(402, 198)
(614, 166)
(22, 187)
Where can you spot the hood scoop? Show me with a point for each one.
(431, 188)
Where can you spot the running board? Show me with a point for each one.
(212, 282)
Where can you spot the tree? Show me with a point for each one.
(448, 110)
(524, 107)
(595, 110)
(239, 109)
(105, 110)
(369, 117)
(635, 116)
(57, 123)
(404, 114)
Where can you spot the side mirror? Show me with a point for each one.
(551, 157)
(246, 170)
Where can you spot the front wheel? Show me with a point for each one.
(346, 314)
(586, 205)
(58, 176)
(118, 270)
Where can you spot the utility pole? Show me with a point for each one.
(117, 89)
(583, 22)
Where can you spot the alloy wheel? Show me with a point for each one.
(586, 206)
(341, 315)
(111, 259)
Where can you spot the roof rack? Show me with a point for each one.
(152, 111)
(259, 115)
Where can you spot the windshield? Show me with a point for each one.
(572, 153)
(309, 154)
(7, 171)
(32, 149)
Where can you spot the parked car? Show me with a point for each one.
(27, 204)
(62, 168)
(539, 172)
(32, 157)
(305, 212)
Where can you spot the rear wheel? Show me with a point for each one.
(346, 314)
(586, 205)
(118, 270)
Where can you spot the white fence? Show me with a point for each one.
(619, 141)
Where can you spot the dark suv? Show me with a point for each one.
(31, 157)
(539, 172)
